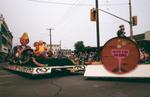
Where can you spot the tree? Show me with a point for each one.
(79, 46)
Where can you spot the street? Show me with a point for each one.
(61, 84)
(74, 48)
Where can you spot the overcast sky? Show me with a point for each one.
(70, 19)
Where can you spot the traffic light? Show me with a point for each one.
(93, 14)
(134, 20)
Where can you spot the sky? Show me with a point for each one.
(70, 20)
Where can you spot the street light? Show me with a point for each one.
(132, 20)
(97, 24)
(97, 28)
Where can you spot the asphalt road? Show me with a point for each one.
(70, 85)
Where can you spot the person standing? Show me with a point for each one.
(121, 32)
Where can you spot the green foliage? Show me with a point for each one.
(79, 46)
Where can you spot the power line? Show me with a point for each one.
(69, 9)
(114, 4)
(61, 3)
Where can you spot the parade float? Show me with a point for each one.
(37, 61)
(121, 58)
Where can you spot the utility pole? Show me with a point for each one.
(50, 29)
(60, 45)
(97, 26)
(131, 27)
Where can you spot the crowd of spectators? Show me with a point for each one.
(83, 57)
(144, 56)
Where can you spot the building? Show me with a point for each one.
(143, 40)
(66, 52)
(5, 39)
(55, 48)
